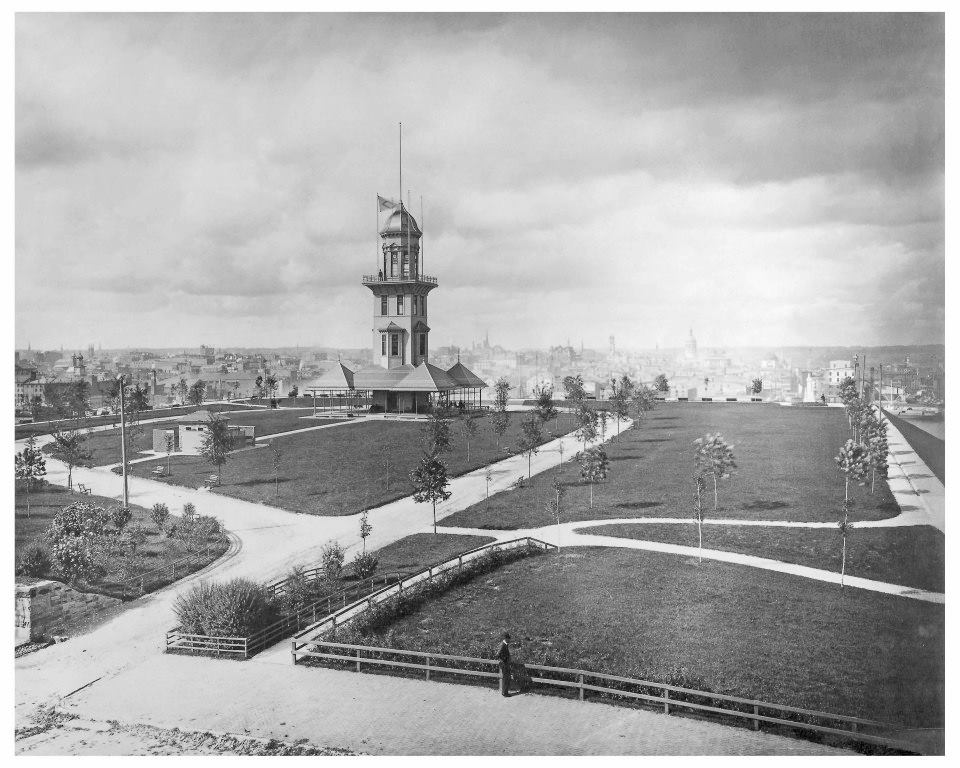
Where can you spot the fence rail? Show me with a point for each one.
(670, 698)
(349, 612)
(136, 586)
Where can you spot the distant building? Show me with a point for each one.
(690, 347)
(838, 371)
(190, 430)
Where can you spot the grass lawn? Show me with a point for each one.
(106, 445)
(421, 550)
(785, 471)
(157, 552)
(338, 471)
(779, 638)
(45, 428)
(911, 555)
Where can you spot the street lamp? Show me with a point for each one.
(123, 445)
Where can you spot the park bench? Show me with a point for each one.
(159, 471)
(83, 489)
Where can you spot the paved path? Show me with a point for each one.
(568, 535)
(380, 714)
(919, 493)
(269, 541)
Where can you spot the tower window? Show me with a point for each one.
(394, 344)
(383, 305)
(393, 264)
(383, 344)
(423, 344)
(399, 305)
(403, 266)
(414, 305)
(423, 306)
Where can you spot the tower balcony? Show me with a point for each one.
(377, 280)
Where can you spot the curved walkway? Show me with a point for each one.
(568, 535)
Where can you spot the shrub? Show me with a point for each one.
(189, 510)
(34, 561)
(159, 515)
(235, 608)
(364, 564)
(331, 560)
(120, 517)
(296, 592)
(136, 535)
(78, 519)
(77, 558)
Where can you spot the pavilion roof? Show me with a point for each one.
(464, 377)
(337, 377)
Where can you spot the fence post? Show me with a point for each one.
(143, 588)
(293, 651)
(314, 613)
(666, 701)
(756, 723)
(428, 667)
(333, 631)
(459, 562)
(580, 682)
(358, 659)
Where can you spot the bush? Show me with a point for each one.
(136, 535)
(235, 608)
(189, 510)
(120, 517)
(159, 515)
(78, 558)
(34, 561)
(365, 564)
(297, 592)
(331, 560)
(78, 519)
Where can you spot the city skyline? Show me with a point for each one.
(775, 181)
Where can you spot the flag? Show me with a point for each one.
(383, 204)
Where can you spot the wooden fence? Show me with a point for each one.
(137, 586)
(617, 689)
(347, 613)
(178, 641)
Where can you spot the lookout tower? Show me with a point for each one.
(400, 330)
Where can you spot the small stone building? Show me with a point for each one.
(190, 430)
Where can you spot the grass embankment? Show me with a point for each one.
(912, 556)
(779, 638)
(157, 552)
(785, 471)
(421, 550)
(931, 449)
(343, 470)
(105, 446)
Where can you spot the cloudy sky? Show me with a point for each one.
(767, 180)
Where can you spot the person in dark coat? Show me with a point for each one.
(503, 655)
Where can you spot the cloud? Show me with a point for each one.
(582, 175)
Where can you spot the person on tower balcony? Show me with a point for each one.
(380, 275)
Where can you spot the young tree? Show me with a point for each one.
(531, 435)
(594, 465)
(488, 477)
(216, 444)
(139, 399)
(331, 562)
(545, 409)
(197, 391)
(603, 416)
(559, 491)
(430, 483)
(120, 517)
(435, 434)
(852, 463)
(844, 527)
(641, 401)
(698, 508)
(500, 423)
(620, 392)
(277, 463)
(877, 449)
(270, 384)
(68, 447)
(30, 468)
(573, 387)
(757, 386)
(160, 513)
(54, 396)
(468, 428)
(365, 529)
(501, 388)
(587, 423)
(168, 444)
(660, 384)
(182, 390)
(714, 458)
(258, 388)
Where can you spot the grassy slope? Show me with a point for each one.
(785, 471)
(339, 471)
(157, 552)
(416, 552)
(776, 637)
(912, 556)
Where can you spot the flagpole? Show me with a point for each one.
(422, 238)
(402, 228)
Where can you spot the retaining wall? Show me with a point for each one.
(48, 608)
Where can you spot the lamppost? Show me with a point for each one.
(123, 444)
